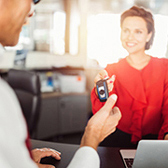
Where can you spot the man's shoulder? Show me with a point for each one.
(8, 98)
(5, 89)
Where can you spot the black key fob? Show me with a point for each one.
(102, 90)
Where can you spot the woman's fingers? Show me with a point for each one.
(101, 75)
(110, 83)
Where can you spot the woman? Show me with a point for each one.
(141, 84)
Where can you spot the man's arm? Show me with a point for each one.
(102, 124)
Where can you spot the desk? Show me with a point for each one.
(109, 157)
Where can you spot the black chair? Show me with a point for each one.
(26, 85)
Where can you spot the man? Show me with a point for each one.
(13, 133)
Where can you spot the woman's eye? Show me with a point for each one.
(138, 32)
(125, 31)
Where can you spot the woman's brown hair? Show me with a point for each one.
(146, 15)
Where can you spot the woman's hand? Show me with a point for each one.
(104, 75)
(38, 154)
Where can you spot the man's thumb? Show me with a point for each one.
(110, 102)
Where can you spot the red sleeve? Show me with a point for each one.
(110, 69)
(164, 128)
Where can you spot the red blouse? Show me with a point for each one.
(142, 97)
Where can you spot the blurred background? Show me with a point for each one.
(70, 41)
(85, 30)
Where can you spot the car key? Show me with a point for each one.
(102, 90)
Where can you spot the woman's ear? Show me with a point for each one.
(149, 36)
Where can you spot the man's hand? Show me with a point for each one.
(102, 124)
(38, 154)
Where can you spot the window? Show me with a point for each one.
(54, 28)
(103, 41)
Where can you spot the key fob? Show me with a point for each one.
(102, 90)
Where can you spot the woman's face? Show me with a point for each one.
(134, 34)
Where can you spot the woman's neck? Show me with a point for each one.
(138, 61)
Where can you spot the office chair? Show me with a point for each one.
(26, 85)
